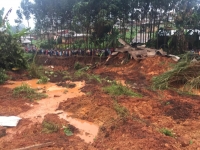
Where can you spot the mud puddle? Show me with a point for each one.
(49, 105)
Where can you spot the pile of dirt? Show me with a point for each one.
(139, 72)
(95, 106)
(135, 135)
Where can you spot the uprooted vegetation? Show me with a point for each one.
(185, 74)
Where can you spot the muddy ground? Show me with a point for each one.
(137, 126)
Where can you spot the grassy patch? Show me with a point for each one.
(3, 76)
(68, 131)
(49, 127)
(95, 77)
(167, 132)
(118, 89)
(26, 91)
(121, 110)
(43, 80)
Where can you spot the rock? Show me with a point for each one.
(2, 131)
(184, 141)
(167, 145)
(56, 95)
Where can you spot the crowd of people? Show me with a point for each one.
(73, 52)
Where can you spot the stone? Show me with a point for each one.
(184, 141)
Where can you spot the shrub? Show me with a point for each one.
(43, 80)
(35, 71)
(11, 52)
(77, 66)
(3, 76)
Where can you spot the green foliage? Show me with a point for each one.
(100, 16)
(26, 91)
(95, 77)
(167, 132)
(67, 77)
(3, 76)
(121, 110)
(77, 66)
(118, 89)
(49, 127)
(185, 73)
(28, 57)
(35, 71)
(11, 51)
(67, 131)
(190, 142)
(80, 74)
(43, 80)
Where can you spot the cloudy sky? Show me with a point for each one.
(14, 4)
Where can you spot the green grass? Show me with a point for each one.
(95, 77)
(49, 127)
(167, 132)
(67, 131)
(26, 91)
(43, 80)
(118, 89)
(121, 110)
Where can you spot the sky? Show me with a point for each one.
(14, 4)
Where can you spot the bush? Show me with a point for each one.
(43, 80)
(77, 66)
(3, 76)
(35, 71)
(11, 52)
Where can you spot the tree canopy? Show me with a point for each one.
(98, 17)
